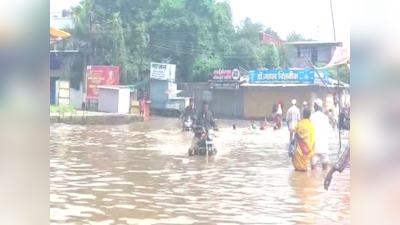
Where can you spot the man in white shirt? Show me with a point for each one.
(320, 121)
(292, 117)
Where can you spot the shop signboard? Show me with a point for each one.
(100, 76)
(285, 76)
(162, 71)
(226, 86)
(226, 75)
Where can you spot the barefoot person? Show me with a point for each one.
(292, 117)
(305, 140)
(320, 121)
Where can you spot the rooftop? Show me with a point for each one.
(312, 42)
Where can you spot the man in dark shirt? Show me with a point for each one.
(204, 118)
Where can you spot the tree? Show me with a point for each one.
(272, 57)
(197, 36)
(293, 37)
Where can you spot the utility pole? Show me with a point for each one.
(333, 23)
(337, 73)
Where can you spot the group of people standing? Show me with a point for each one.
(310, 133)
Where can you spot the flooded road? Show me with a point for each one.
(141, 174)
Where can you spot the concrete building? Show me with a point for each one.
(319, 52)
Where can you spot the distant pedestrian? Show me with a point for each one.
(278, 117)
(141, 106)
(292, 117)
(320, 122)
(305, 106)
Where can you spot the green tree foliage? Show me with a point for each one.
(293, 36)
(196, 35)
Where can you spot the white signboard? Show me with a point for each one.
(64, 93)
(162, 71)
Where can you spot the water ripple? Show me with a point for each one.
(140, 174)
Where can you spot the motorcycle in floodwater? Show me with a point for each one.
(206, 146)
(188, 122)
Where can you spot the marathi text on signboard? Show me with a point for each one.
(284, 77)
(227, 86)
(162, 71)
(100, 75)
(64, 92)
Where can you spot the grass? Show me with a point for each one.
(62, 109)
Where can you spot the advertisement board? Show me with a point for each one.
(285, 76)
(100, 75)
(162, 71)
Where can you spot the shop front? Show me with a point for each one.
(268, 87)
(227, 95)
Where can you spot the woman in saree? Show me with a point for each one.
(305, 140)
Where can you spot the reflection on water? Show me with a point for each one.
(140, 174)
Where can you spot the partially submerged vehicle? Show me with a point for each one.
(206, 145)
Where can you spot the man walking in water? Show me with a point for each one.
(292, 117)
(320, 121)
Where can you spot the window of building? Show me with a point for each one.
(314, 56)
(299, 52)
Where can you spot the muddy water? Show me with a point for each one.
(140, 174)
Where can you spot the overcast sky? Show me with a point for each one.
(284, 16)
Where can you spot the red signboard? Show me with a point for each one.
(100, 75)
(223, 74)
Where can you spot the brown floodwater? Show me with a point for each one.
(141, 174)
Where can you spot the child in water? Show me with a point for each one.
(253, 126)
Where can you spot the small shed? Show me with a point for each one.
(114, 99)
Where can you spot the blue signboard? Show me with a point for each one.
(286, 76)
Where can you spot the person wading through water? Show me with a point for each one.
(292, 117)
(305, 140)
(320, 121)
(190, 111)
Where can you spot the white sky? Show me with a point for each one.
(283, 16)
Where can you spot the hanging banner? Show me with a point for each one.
(340, 56)
(100, 76)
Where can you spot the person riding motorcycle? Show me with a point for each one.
(204, 119)
(190, 111)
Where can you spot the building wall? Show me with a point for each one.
(76, 97)
(158, 97)
(228, 103)
(324, 52)
(198, 91)
(269, 39)
(259, 101)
